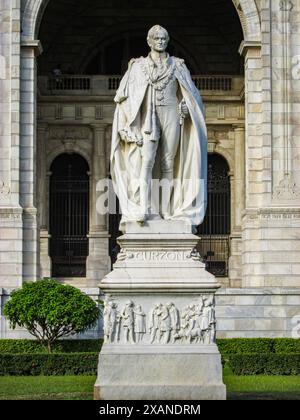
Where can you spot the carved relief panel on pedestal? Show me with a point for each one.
(164, 323)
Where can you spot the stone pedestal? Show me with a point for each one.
(159, 319)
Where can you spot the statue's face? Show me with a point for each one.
(159, 42)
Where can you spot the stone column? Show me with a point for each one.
(239, 176)
(29, 51)
(256, 186)
(235, 260)
(10, 209)
(98, 261)
(43, 202)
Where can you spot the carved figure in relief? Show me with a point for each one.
(194, 334)
(139, 323)
(154, 323)
(165, 325)
(207, 320)
(128, 322)
(198, 323)
(175, 320)
(111, 318)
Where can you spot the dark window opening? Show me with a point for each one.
(215, 229)
(69, 215)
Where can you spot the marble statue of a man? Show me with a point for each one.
(159, 133)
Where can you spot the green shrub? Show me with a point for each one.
(60, 346)
(245, 345)
(286, 345)
(265, 364)
(50, 310)
(48, 364)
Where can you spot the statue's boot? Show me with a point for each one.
(144, 202)
(167, 176)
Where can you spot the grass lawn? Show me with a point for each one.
(262, 387)
(46, 387)
(81, 387)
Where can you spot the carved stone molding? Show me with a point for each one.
(274, 213)
(287, 189)
(70, 133)
(10, 213)
(4, 190)
(158, 256)
(286, 5)
(69, 145)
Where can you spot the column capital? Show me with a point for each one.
(99, 127)
(33, 44)
(247, 46)
(238, 127)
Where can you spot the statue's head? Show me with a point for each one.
(158, 38)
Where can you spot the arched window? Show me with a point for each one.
(215, 229)
(69, 210)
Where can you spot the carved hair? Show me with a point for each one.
(154, 30)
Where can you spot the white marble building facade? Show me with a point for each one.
(254, 124)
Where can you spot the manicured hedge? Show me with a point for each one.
(61, 346)
(245, 356)
(265, 364)
(226, 346)
(286, 345)
(245, 345)
(48, 364)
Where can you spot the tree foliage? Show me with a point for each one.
(50, 310)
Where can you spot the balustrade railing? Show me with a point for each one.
(107, 85)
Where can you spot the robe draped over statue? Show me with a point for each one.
(190, 165)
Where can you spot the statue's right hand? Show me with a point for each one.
(123, 135)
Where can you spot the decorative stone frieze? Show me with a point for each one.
(127, 323)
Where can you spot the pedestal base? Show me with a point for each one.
(159, 319)
(160, 373)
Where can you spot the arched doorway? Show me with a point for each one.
(216, 53)
(69, 210)
(215, 229)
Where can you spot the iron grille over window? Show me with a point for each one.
(215, 229)
(69, 198)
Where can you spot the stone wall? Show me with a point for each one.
(271, 219)
(258, 312)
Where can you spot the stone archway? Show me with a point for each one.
(250, 19)
(33, 11)
(246, 9)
